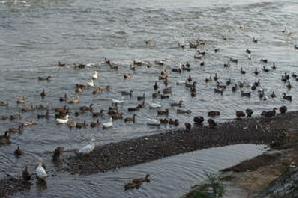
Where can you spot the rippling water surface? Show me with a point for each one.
(36, 34)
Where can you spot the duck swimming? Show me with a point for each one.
(109, 124)
(91, 83)
(62, 120)
(41, 173)
(5, 138)
(130, 119)
(136, 183)
(95, 75)
(26, 175)
(18, 152)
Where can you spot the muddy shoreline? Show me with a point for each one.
(272, 174)
(149, 148)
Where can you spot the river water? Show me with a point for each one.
(36, 34)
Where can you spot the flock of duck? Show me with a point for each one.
(162, 89)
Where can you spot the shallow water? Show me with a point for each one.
(36, 34)
(170, 177)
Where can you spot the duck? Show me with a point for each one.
(242, 71)
(273, 66)
(155, 86)
(163, 112)
(71, 124)
(164, 121)
(256, 72)
(156, 94)
(288, 85)
(269, 114)
(99, 90)
(218, 90)
(240, 114)
(164, 96)
(283, 109)
(47, 78)
(208, 79)
(86, 108)
(75, 100)
(64, 98)
(263, 60)
(127, 76)
(3, 104)
(246, 94)
(21, 100)
(5, 138)
(26, 175)
(212, 124)
(61, 64)
(58, 154)
(296, 47)
(127, 93)
(90, 83)
(18, 152)
(187, 126)
(141, 97)
(80, 125)
(109, 124)
(153, 122)
(130, 119)
(61, 112)
(153, 105)
(130, 109)
(248, 51)
(265, 69)
(273, 95)
(198, 120)
(95, 124)
(43, 94)
(16, 130)
(95, 75)
(233, 60)
(182, 111)
(87, 148)
(177, 104)
(174, 122)
(62, 120)
(285, 77)
(287, 97)
(254, 40)
(234, 88)
(41, 173)
(249, 112)
(136, 183)
(97, 114)
(167, 90)
(213, 113)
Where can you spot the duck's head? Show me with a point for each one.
(147, 178)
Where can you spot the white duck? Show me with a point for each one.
(108, 124)
(95, 75)
(62, 120)
(154, 105)
(91, 83)
(41, 172)
(87, 148)
(117, 101)
(180, 82)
